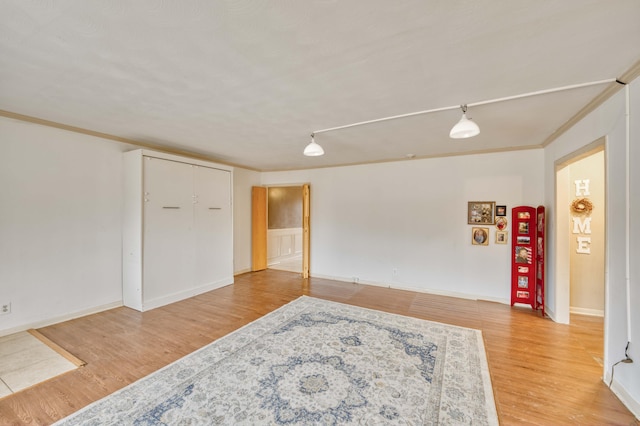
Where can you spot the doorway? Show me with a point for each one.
(280, 228)
(581, 240)
(284, 228)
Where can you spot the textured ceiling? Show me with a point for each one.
(246, 82)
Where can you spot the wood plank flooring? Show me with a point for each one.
(543, 373)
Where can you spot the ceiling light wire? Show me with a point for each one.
(474, 104)
(489, 101)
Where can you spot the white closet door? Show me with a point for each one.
(213, 226)
(168, 228)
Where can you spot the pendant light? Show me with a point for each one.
(465, 128)
(313, 149)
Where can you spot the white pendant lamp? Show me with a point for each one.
(465, 128)
(313, 149)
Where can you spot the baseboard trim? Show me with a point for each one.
(623, 395)
(181, 295)
(418, 290)
(551, 314)
(587, 311)
(61, 318)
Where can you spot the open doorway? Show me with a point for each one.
(581, 241)
(281, 228)
(284, 228)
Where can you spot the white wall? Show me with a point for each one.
(623, 247)
(243, 180)
(410, 218)
(60, 224)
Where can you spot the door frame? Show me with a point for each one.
(259, 221)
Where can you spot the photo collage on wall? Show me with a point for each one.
(487, 213)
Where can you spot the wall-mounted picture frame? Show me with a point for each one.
(501, 210)
(481, 212)
(501, 223)
(502, 237)
(480, 236)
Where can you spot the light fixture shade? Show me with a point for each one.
(313, 149)
(465, 128)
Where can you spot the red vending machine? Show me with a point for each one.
(527, 258)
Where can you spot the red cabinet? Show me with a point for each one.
(527, 256)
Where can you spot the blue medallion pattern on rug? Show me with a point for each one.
(315, 362)
(425, 351)
(311, 374)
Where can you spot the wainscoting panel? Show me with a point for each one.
(283, 243)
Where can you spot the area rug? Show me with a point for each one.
(315, 362)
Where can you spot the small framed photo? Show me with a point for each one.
(523, 240)
(501, 237)
(481, 212)
(523, 254)
(480, 236)
(523, 228)
(523, 281)
(501, 223)
(522, 294)
(501, 210)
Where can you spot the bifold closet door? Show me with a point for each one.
(168, 249)
(212, 225)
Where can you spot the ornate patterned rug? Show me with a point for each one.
(315, 362)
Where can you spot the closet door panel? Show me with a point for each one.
(168, 228)
(213, 226)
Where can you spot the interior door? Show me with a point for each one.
(168, 228)
(258, 228)
(213, 225)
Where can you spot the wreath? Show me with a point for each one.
(582, 206)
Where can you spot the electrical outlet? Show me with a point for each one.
(5, 308)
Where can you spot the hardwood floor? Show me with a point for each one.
(543, 373)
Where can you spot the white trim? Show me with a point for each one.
(417, 290)
(182, 295)
(550, 313)
(587, 311)
(62, 318)
(622, 394)
(627, 114)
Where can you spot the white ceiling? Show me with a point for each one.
(245, 82)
